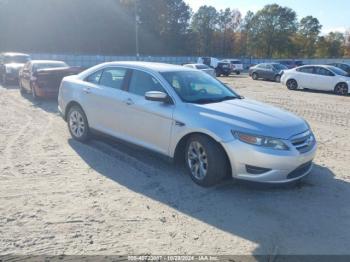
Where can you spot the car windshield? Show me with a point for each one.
(280, 66)
(21, 59)
(38, 66)
(236, 62)
(337, 71)
(202, 66)
(198, 87)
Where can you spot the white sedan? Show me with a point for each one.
(202, 67)
(317, 77)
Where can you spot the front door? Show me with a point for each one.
(148, 123)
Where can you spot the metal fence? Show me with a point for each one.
(91, 60)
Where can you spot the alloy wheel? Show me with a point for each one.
(341, 89)
(292, 84)
(76, 124)
(197, 160)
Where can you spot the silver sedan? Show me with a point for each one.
(188, 115)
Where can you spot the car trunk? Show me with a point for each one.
(51, 78)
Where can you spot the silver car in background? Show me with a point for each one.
(202, 67)
(188, 115)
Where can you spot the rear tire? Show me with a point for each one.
(278, 79)
(77, 124)
(292, 84)
(34, 95)
(21, 89)
(341, 89)
(238, 73)
(255, 76)
(4, 80)
(206, 160)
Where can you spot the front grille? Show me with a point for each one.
(299, 171)
(304, 142)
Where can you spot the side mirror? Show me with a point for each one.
(158, 96)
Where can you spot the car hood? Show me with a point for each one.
(14, 65)
(253, 117)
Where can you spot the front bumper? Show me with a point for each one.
(280, 166)
(13, 76)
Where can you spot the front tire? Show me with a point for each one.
(206, 160)
(292, 84)
(21, 89)
(238, 73)
(4, 80)
(77, 124)
(278, 78)
(255, 76)
(34, 95)
(341, 89)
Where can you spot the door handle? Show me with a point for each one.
(86, 90)
(129, 101)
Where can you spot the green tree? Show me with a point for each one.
(272, 28)
(228, 23)
(331, 45)
(204, 23)
(308, 32)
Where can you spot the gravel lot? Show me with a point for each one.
(60, 196)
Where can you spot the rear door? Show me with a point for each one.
(148, 123)
(103, 98)
(324, 79)
(269, 72)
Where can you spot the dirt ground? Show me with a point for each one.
(59, 196)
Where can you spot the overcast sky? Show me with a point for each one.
(333, 15)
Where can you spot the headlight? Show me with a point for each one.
(8, 70)
(263, 141)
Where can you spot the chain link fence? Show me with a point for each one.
(91, 60)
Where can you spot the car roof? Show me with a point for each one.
(138, 65)
(45, 61)
(196, 64)
(14, 54)
(158, 67)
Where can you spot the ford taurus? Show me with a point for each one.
(186, 114)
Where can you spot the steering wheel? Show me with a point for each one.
(203, 91)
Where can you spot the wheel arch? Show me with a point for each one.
(179, 151)
(69, 106)
(341, 82)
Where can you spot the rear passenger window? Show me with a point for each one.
(113, 77)
(142, 82)
(94, 78)
(323, 71)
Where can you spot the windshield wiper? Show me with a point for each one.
(227, 98)
(212, 100)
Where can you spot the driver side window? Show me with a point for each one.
(142, 82)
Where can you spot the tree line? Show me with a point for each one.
(163, 27)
